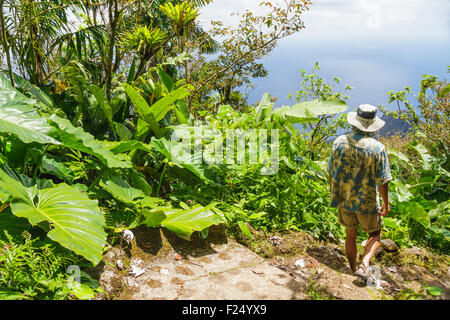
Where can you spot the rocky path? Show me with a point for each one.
(157, 265)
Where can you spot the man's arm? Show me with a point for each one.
(384, 191)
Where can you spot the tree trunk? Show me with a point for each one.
(5, 44)
(113, 17)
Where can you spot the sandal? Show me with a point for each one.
(361, 271)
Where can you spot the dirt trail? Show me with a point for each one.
(158, 265)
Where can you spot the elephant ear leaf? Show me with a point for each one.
(196, 218)
(18, 116)
(121, 190)
(78, 139)
(75, 220)
(308, 111)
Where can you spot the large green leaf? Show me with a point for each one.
(318, 108)
(25, 86)
(121, 190)
(399, 155)
(52, 166)
(18, 117)
(143, 109)
(154, 217)
(78, 139)
(76, 221)
(102, 100)
(165, 104)
(418, 213)
(264, 108)
(126, 146)
(166, 79)
(426, 157)
(402, 192)
(121, 130)
(13, 295)
(182, 159)
(185, 222)
(181, 111)
(138, 181)
(309, 110)
(415, 211)
(159, 109)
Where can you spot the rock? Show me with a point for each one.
(328, 255)
(410, 273)
(110, 280)
(136, 271)
(392, 269)
(388, 245)
(119, 264)
(137, 261)
(284, 248)
(417, 251)
(275, 240)
(313, 263)
(128, 236)
(164, 271)
(397, 277)
(109, 256)
(347, 286)
(300, 263)
(384, 284)
(331, 237)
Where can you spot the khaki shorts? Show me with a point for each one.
(369, 222)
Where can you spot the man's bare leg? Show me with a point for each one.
(350, 246)
(371, 247)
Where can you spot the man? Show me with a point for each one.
(359, 172)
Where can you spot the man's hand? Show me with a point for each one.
(384, 210)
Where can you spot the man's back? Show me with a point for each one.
(358, 163)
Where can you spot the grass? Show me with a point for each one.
(315, 291)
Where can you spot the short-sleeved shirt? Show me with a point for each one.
(358, 163)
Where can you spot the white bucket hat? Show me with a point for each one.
(365, 119)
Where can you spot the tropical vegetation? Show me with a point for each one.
(91, 95)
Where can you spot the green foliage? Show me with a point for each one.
(19, 118)
(74, 220)
(85, 127)
(317, 133)
(78, 139)
(32, 269)
(183, 221)
(420, 206)
(295, 197)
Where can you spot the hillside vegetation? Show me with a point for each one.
(115, 115)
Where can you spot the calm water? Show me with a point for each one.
(373, 45)
(372, 70)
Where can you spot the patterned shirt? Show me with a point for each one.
(358, 163)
